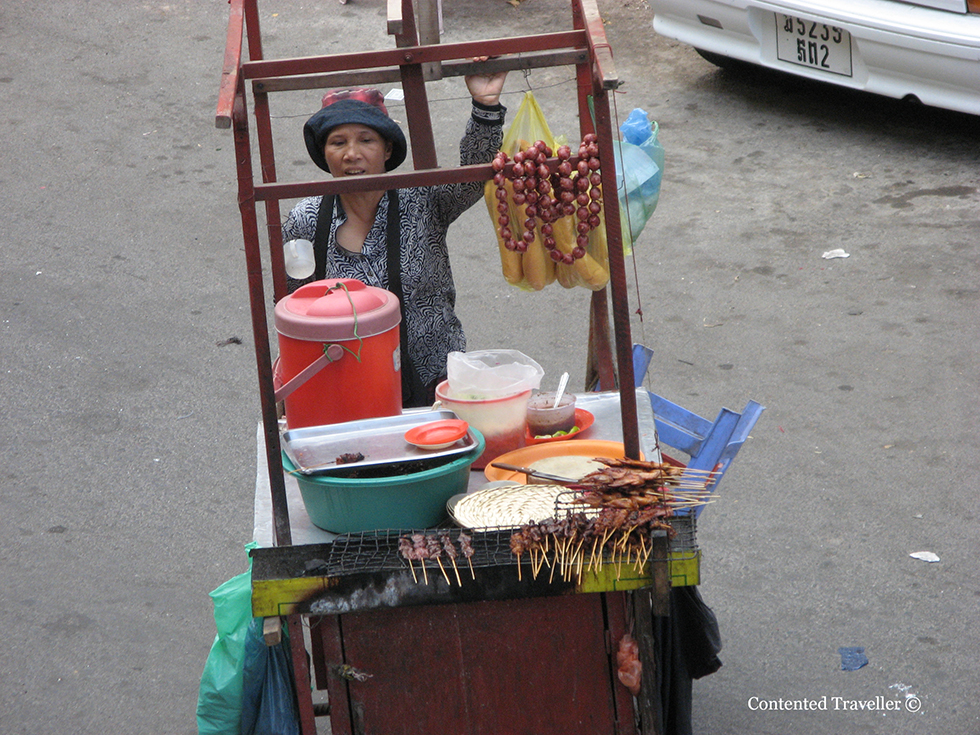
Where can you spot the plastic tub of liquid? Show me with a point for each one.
(501, 420)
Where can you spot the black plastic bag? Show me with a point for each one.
(688, 643)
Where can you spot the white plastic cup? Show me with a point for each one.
(299, 259)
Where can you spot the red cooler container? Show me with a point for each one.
(339, 339)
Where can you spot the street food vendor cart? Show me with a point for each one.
(483, 647)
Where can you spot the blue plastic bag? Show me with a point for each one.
(219, 702)
(639, 170)
(269, 690)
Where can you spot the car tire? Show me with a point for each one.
(725, 62)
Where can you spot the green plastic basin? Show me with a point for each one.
(417, 500)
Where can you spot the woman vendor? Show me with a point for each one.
(352, 135)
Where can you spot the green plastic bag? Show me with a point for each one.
(219, 701)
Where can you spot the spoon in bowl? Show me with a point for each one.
(561, 389)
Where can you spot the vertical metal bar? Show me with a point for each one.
(617, 275)
(301, 669)
(416, 100)
(394, 17)
(252, 30)
(331, 648)
(429, 35)
(619, 614)
(231, 67)
(267, 158)
(601, 372)
(648, 700)
(585, 15)
(583, 78)
(260, 328)
(599, 359)
(600, 51)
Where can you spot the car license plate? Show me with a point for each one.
(812, 44)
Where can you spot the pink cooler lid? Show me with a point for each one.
(336, 309)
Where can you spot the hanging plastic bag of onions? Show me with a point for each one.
(548, 223)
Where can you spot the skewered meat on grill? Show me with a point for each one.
(420, 547)
(405, 548)
(466, 545)
(447, 545)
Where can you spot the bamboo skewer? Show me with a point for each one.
(467, 550)
(456, 570)
(439, 562)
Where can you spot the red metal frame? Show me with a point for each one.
(585, 47)
(596, 78)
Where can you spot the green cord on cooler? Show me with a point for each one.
(360, 340)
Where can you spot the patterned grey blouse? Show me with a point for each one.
(433, 328)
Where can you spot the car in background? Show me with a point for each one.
(924, 50)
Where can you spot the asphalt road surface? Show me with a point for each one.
(130, 401)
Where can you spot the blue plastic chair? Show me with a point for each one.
(711, 446)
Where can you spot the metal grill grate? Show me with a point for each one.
(685, 542)
(378, 551)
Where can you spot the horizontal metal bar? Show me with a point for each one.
(379, 182)
(523, 62)
(393, 180)
(413, 55)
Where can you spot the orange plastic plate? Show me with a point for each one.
(523, 457)
(437, 434)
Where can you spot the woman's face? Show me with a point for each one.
(355, 150)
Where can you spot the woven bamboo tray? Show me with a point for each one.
(506, 506)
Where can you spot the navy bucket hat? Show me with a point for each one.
(345, 111)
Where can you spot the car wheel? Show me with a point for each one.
(725, 62)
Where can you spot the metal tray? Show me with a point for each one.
(315, 449)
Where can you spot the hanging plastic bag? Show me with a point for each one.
(535, 269)
(639, 170)
(269, 704)
(219, 702)
(491, 373)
